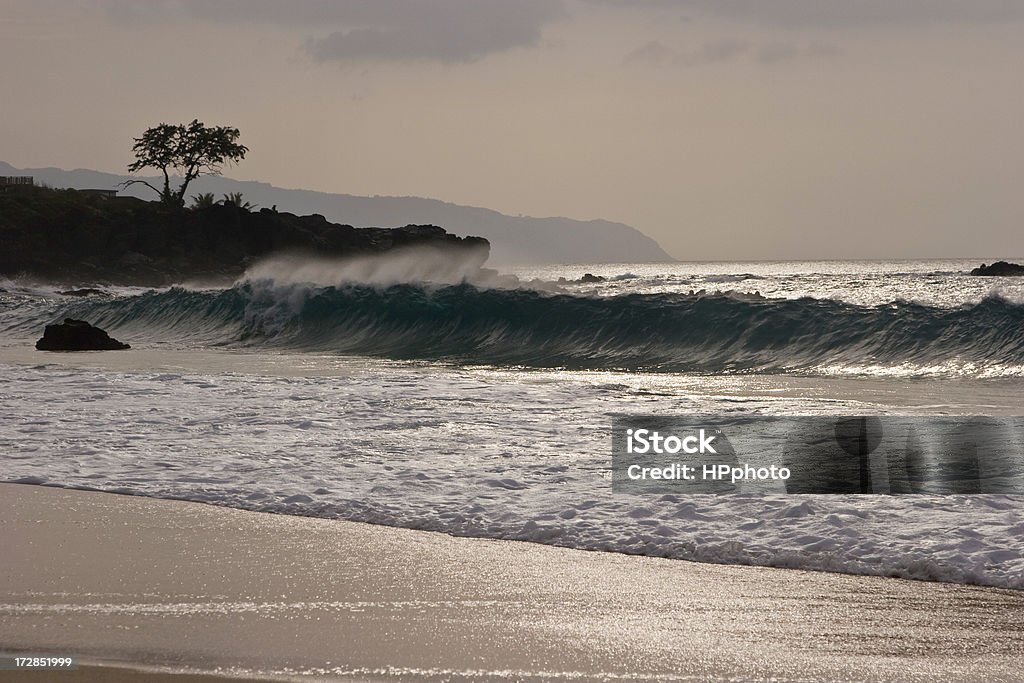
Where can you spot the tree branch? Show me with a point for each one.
(137, 181)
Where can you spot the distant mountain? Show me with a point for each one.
(514, 239)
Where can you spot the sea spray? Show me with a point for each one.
(410, 265)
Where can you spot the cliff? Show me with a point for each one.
(71, 236)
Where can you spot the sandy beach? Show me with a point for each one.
(170, 586)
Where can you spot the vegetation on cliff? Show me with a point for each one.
(185, 151)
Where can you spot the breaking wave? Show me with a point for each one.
(521, 327)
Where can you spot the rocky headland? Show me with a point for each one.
(66, 236)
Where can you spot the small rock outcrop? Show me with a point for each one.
(77, 335)
(999, 269)
(590, 277)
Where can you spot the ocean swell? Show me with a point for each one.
(522, 327)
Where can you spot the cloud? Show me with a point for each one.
(844, 13)
(771, 53)
(371, 30)
(714, 51)
(292, 13)
(656, 53)
(472, 30)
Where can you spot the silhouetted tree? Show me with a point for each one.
(238, 199)
(187, 151)
(203, 200)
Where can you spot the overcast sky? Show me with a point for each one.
(747, 129)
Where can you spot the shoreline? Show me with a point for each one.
(165, 585)
(103, 672)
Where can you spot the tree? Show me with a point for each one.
(238, 199)
(185, 151)
(203, 200)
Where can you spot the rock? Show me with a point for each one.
(87, 291)
(590, 277)
(999, 269)
(77, 335)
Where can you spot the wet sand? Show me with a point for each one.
(112, 674)
(173, 586)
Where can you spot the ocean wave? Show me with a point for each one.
(740, 277)
(522, 327)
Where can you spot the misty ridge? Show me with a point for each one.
(514, 239)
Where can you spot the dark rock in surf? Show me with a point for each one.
(999, 269)
(590, 277)
(77, 335)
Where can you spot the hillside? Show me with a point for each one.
(514, 239)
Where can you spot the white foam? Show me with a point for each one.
(498, 454)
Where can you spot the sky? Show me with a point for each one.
(725, 129)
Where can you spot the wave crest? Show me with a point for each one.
(650, 332)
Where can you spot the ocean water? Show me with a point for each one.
(481, 403)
